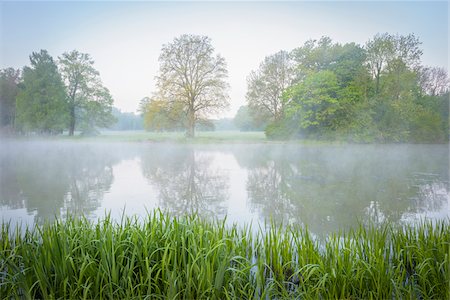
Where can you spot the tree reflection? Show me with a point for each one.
(89, 176)
(269, 191)
(187, 180)
(335, 187)
(53, 179)
(10, 193)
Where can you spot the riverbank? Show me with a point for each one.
(165, 257)
(146, 136)
(201, 137)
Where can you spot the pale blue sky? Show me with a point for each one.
(125, 38)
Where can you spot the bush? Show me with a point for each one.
(279, 130)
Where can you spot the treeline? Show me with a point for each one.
(377, 92)
(126, 120)
(49, 97)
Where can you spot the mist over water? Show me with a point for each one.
(322, 186)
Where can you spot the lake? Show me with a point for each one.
(326, 187)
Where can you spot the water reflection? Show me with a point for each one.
(335, 187)
(187, 180)
(324, 187)
(50, 180)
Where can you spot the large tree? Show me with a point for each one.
(392, 53)
(193, 76)
(90, 103)
(267, 84)
(434, 81)
(314, 103)
(41, 103)
(9, 88)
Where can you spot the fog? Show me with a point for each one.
(326, 187)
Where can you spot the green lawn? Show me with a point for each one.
(178, 137)
(201, 137)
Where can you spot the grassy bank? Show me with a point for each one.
(201, 137)
(189, 258)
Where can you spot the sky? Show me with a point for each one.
(125, 38)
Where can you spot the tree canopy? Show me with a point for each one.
(9, 88)
(193, 78)
(45, 99)
(378, 92)
(266, 85)
(160, 115)
(41, 102)
(90, 103)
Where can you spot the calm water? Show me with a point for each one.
(325, 187)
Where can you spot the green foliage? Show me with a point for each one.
(126, 120)
(89, 102)
(376, 93)
(314, 102)
(266, 86)
(190, 258)
(41, 105)
(205, 125)
(97, 112)
(191, 76)
(49, 102)
(280, 130)
(247, 119)
(224, 124)
(430, 122)
(9, 88)
(160, 115)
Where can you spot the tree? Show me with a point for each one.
(90, 103)
(314, 56)
(394, 51)
(246, 119)
(97, 112)
(41, 102)
(190, 75)
(127, 120)
(434, 81)
(314, 102)
(9, 88)
(347, 63)
(160, 115)
(243, 120)
(267, 84)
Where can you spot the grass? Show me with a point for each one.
(201, 137)
(190, 258)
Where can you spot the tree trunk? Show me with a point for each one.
(72, 120)
(191, 124)
(377, 88)
(72, 109)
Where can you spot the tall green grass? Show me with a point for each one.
(189, 258)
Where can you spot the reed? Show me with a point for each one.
(190, 258)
